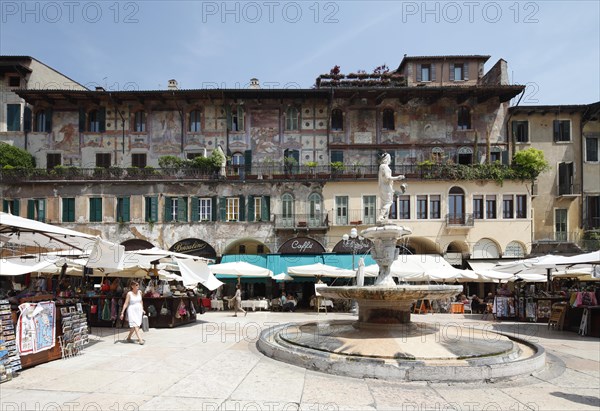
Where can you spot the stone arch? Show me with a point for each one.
(515, 249)
(486, 248)
(247, 245)
(420, 245)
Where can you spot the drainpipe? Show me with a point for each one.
(182, 119)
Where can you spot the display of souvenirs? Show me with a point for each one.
(544, 308)
(9, 356)
(75, 330)
(36, 327)
(504, 307)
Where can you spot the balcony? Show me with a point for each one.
(460, 220)
(351, 218)
(569, 190)
(304, 222)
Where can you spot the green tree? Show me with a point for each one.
(15, 157)
(530, 163)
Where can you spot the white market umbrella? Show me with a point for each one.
(551, 261)
(19, 230)
(239, 269)
(282, 277)
(320, 270)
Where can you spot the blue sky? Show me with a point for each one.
(553, 47)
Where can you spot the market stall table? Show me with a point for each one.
(457, 308)
(216, 305)
(254, 304)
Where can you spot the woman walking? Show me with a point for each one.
(237, 301)
(135, 311)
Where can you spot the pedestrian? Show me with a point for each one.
(237, 301)
(135, 311)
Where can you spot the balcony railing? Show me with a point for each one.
(567, 190)
(557, 237)
(317, 221)
(351, 218)
(460, 220)
(263, 172)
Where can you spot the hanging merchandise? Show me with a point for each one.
(36, 328)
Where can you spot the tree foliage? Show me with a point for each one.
(12, 156)
(530, 163)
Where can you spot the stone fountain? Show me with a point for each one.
(383, 343)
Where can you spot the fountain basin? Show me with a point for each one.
(384, 306)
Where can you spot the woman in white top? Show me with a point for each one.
(237, 301)
(135, 310)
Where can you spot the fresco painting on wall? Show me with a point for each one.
(67, 136)
(166, 130)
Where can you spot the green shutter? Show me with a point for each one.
(42, 211)
(250, 208)
(242, 209)
(102, 119)
(27, 117)
(182, 209)
(31, 209)
(154, 209)
(213, 208)
(223, 208)
(125, 212)
(48, 120)
(16, 207)
(168, 209)
(82, 117)
(195, 213)
(96, 209)
(5, 207)
(265, 209)
(248, 161)
(68, 212)
(13, 117)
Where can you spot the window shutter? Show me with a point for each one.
(567, 130)
(223, 209)
(195, 213)
(556, 128)
(514, 130)
(154, 209)
(27, 118)
(228, 114)
(432, 72)
(213, 208)
(419, 72)
(31, 209)
(65, 209)
(465, 71)
(98, 209)
(102, 119)
(250, 208)
(126, 208)
(42, 211)
(168, 209)
(248, 161)
(265, 209)
(16, 207)
(505, 157)
(451, 72)
(13, 117)
(48, 120)
(242, 209)
(5, 206)
(240, 113)
(82, 117)
(182, 209)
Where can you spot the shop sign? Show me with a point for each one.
(301, 245)
(193, 246)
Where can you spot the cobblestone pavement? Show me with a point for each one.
(214, 364)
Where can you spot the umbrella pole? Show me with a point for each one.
(549, 279)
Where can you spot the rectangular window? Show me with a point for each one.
(11, 206)
(404, 207)
(593, 212)
(36, 209)
(93, 121)
(562, 130)
(369, 209)
(53, 160)
(103, 160)
(205, 209)
(434, 207)
(521, 131)
(426, 72)
(458, 72)
(13, 117)
(138, 160)
(422, 207)
(151, 209)
(341, 210)
(565, 178)
(233, 209)
(521, 206)
(560, 224)
(176, 209)
(478, 207)
(490, 207)
(591, 149)
(123, 210)
(508, 206)
(95, 209)
(258, 208)
(68, 210)
(140, 122)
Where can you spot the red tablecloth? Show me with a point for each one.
(206, 303)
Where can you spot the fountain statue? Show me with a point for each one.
(383, 343)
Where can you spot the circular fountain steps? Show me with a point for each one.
(417, 352)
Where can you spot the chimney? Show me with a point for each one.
(100, 88)
(173, 84)
(254, 83)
